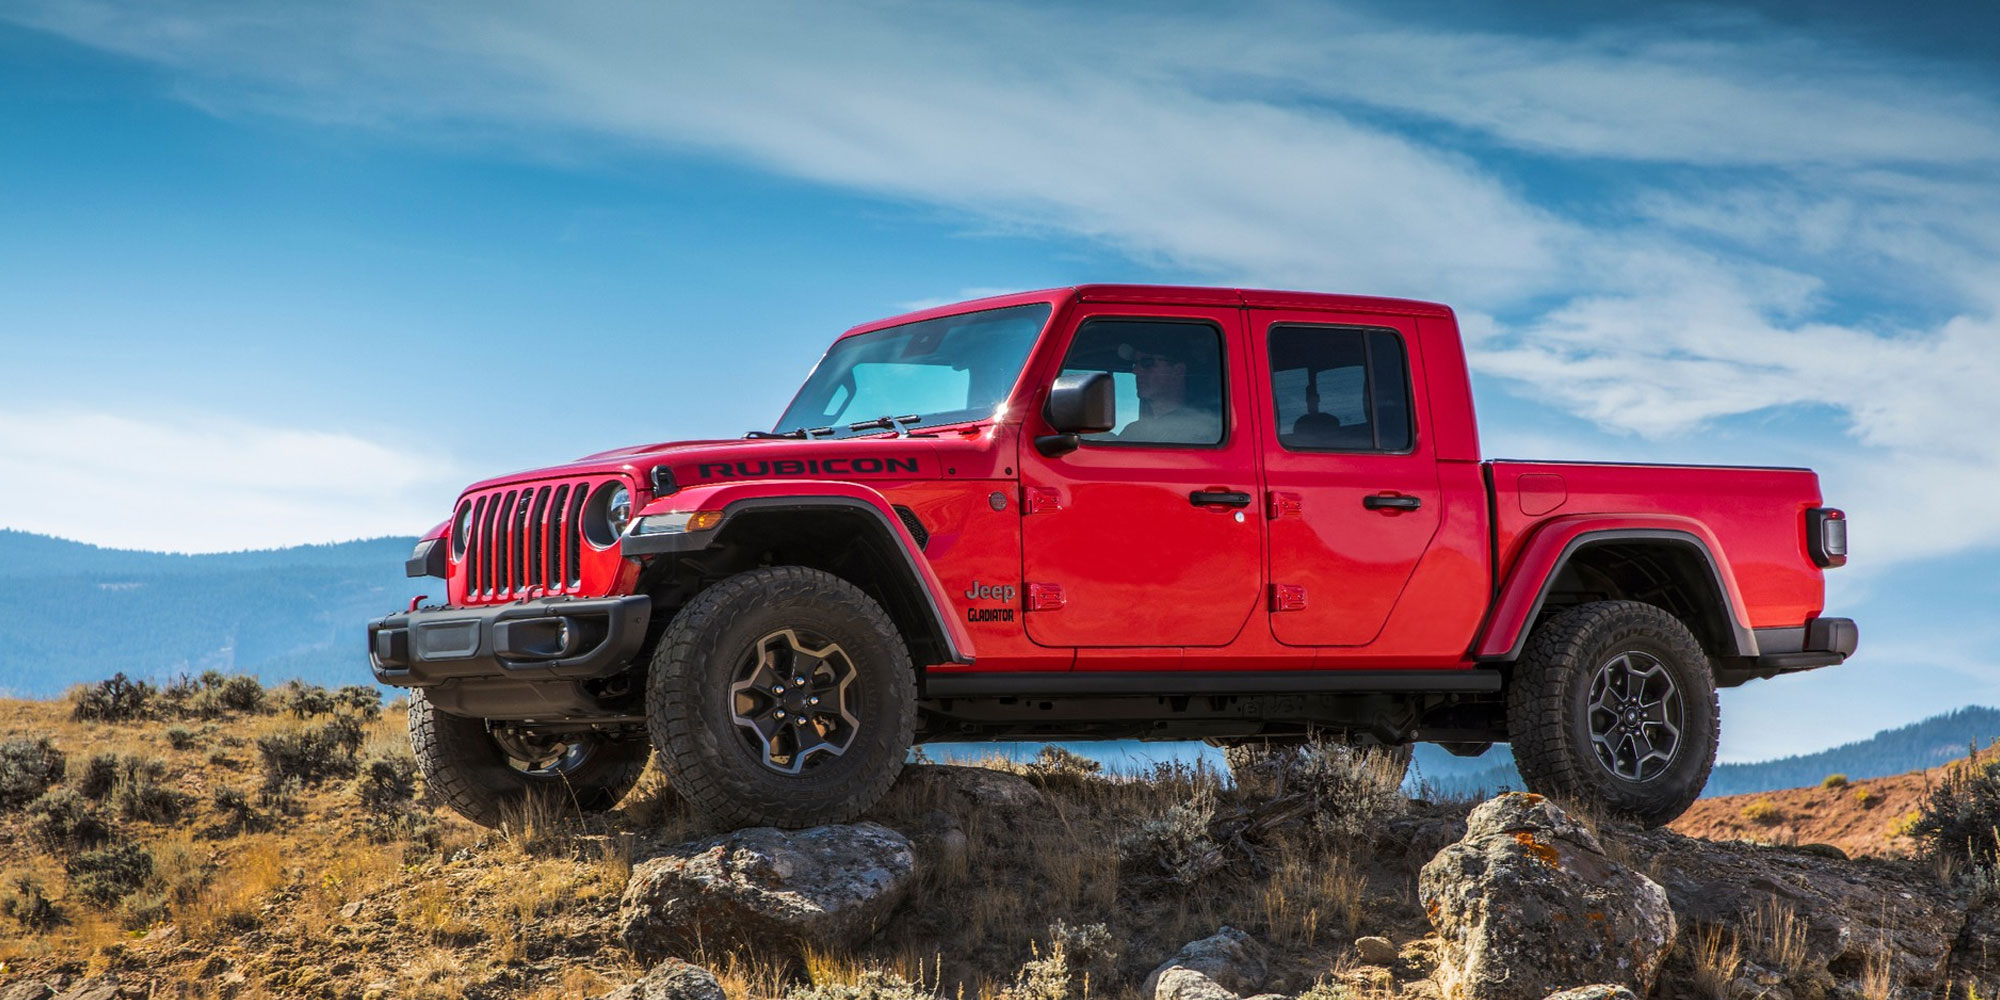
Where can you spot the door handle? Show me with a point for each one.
(1392, 502)
(1219, 498)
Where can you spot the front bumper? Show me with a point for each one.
(556, 638)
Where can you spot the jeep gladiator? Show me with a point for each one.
(1107, 511)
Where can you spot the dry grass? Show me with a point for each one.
(1778, 936)
(1718, 956)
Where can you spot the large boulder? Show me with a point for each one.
(1228, 958)
(1528, 904)
(831, 886)
(1820, 924)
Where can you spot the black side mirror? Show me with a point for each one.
(1079, 403)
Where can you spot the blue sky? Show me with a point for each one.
(279, 273)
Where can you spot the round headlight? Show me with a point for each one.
(461, 529)
(606, 517)
(618, 509)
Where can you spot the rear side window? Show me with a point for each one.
(1168, 375)
(1340, 389)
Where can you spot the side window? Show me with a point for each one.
(1168, 374)
(1340, 389)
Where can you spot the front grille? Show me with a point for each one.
(524, 540)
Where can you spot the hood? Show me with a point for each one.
(936, 454)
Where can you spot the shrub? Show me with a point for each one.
(1175, 845)
(359, 700)
(100, 775)
(875, 984)
(217, 694)
(110, 874)
(1961, 817)
(1833, 781)
(180, 737)
(63, 821)
(310, 754)
(1354, 791)
(387, 787)
(140, 796)
(305, 700)
(1763, 812)
(234, 814)
(27, 769)
(29, 905)
(118, 699)
(1059, 762)
(1866, 798)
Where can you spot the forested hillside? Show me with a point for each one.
(71, 612)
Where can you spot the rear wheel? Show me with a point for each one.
(782, 696)
(1613, 704)
(481, 772)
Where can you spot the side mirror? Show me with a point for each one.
(1079, 403)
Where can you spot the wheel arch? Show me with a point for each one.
(1675, 567)
(855, 537)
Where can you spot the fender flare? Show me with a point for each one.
(737, 500)
(1520, 598)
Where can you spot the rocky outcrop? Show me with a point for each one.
(980, 786)
(1807, 923)
(1529, 904)
(672, 979)
(1229, 960)
(831, 886)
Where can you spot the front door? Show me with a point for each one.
(1353, 495)
(1149, 535)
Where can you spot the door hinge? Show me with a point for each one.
(1045, 597)
(1281, 504)
(1287, 597)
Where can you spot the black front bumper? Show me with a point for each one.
(557, 638)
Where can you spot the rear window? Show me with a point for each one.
(1340, 389)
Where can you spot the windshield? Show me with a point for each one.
(945, 370)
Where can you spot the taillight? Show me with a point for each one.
(1826, 536)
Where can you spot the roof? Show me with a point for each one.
(1176, 295)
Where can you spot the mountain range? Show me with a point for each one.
(72, 613)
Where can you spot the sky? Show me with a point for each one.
(282, 273)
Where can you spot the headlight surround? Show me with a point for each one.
(607, 515)
(461, 529)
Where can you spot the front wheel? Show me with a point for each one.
(782, 696)
(483, 771)
(1613, 704)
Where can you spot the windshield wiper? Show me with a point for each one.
(800, 433)
(887, 424)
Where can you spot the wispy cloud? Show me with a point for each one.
(209, 485)
(1745, 181)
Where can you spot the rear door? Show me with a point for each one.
(1151, 533)
(1352, 495)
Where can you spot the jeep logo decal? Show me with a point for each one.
(981, 592)
(805, 467)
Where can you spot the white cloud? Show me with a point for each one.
(207, 484)
(1308, 146)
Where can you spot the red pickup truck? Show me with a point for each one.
(1102, 511)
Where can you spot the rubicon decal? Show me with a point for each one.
(805, 467)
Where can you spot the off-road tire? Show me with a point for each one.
(465, 769)
(1548, 709)
(689, 700)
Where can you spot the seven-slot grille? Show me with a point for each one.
(525, 539)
